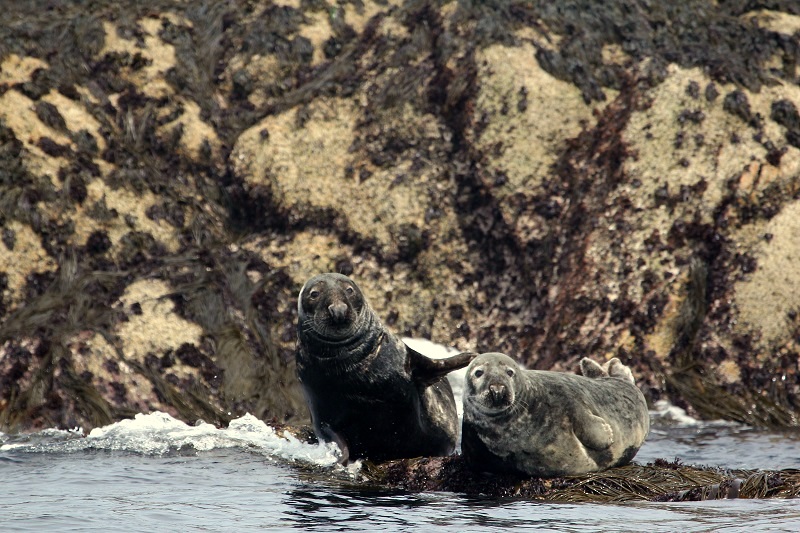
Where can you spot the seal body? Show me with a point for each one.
(549, 424)
(366, 390)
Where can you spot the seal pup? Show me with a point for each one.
(366, 390)
(548, 424)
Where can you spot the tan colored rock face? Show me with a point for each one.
(155, 328)
(766, 298)
(18, 114)
(744, 166)
(158, 55)
(309, 167)
(16, 69)
(298, 155)
(131, 209)
(116, 381)
(775, 21)
(26, 256)
(533, 114)
(495, 179)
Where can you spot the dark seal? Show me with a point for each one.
(549, 424)
(366, 390)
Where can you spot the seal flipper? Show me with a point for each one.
(591, 369)
(594, 432)
(427, 370)
(616, 369)
(325, 433)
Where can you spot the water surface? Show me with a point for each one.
(155, 473)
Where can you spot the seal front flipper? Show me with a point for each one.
(593, 431)
(325, 433)
(427, 370)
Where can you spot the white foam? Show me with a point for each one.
(667, 414)
(159, 433)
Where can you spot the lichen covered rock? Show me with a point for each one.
(543, 179)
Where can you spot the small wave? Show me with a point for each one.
(159, 433)
(666, 414)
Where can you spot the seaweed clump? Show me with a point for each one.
(658, 481)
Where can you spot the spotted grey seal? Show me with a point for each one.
(366, 390)
(547, 424)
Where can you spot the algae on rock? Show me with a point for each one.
(544, 179)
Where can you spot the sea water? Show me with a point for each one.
(155, 473)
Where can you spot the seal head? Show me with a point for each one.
(547, 424)
(366, 390)
(334, 320)
(491, 387)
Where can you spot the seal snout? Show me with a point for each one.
(498, 393)
(338, 312)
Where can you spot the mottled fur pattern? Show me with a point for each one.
(548, 424)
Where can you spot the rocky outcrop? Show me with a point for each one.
(550, 180)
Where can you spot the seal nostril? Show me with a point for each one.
(338, 311)
(497, 391)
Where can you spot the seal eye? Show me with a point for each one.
(313, 294)
(478, 373)
(350, 291)
(510, 373)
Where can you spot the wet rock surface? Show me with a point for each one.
(662, 481)
(549, 180)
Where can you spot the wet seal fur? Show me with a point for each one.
(366, 390)
(549, 424)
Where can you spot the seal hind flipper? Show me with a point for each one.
(616, 369)
(591, 369)
(612, 368)
(422, 368)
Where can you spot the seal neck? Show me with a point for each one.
(340, 357)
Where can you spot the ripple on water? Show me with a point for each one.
(57, 486)
(155, 473)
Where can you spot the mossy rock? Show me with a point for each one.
(548, 182)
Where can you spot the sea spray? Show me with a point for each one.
(159, 434)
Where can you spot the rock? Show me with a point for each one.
(660, 481)
(545, 182)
